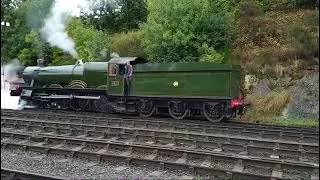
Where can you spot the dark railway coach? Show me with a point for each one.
(180, 89)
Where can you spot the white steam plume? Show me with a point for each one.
(53, 30)
(9, 74)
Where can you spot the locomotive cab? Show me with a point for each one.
(116, 72)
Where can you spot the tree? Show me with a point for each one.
(26, 18)
(8, 9)
(132, 14)
(171, 34)
(91, 44)
(116, 15)
(128, 44)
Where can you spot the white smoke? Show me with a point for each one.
(54, 28)
(9, 74)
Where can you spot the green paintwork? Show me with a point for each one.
(93, 73)
(115, 85)
(185, 67)
(96, 74)
(58, 75)
(196, 80)
(186, 79)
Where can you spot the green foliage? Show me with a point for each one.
(304, 41)
(31, 52)
(34, 49)
(301, 4)
(21, 38)
(91, 44)
(304, 36)
(35, 12)
(173, 35)
(13, 37)
(208, 54)
(249, 8)
(128, 44)
(280, 5)
(132, 14)
(61, 58)
(111, 18)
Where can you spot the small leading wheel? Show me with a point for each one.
(102, 104)
(213, 111)
(178, 109)
(146, 108)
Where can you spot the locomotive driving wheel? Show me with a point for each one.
(79, 104)
(213, 111)
(84, 103)
(74, 104)
(146, 108)
(63, 104)
(102, 104)
(178, 109)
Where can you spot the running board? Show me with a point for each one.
(69, 97)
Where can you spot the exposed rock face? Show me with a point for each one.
(304, 98)
(250, 81)
(262, 88)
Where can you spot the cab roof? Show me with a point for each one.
(124, 60)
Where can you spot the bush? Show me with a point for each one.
(304, 41)
(127, 44)
(280, 5)
(303, 4)
(249, 8)
(172, 35)
(271, 105)
(208, 54)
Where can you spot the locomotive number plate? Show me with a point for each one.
(115, 83)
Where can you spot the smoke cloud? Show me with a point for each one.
(54, 27)
(9, 74)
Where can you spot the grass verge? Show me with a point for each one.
(280, 121)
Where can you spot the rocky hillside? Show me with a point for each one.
(279, 50)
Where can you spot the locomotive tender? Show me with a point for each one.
(180, 89)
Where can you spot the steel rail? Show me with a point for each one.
(251, 146)
(11, 174)
(194, 122)
(207, 163)
(176, 126)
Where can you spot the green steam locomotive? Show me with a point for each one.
(179, 89)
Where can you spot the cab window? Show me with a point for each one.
(113, 70)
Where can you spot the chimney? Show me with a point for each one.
(40, 62)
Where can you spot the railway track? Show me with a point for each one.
(202, 163)
(232, 150)
(249, 146)
(303, 136)
(130, 117)
(11, 174)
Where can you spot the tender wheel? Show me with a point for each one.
(178, 109)
(213, 111)
(102, 105)
(146, 108)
